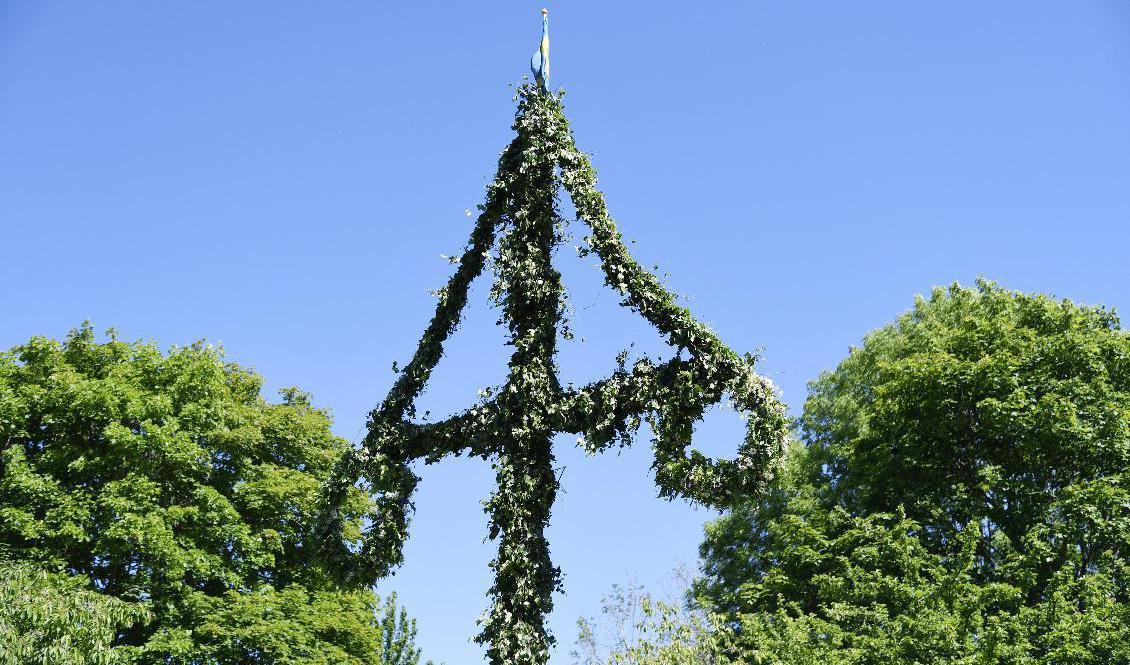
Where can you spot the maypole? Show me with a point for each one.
(519, 228)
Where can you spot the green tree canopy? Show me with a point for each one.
(980, 405)
(960, 497)
(165, 481)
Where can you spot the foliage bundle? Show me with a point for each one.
(140, 485)
(961, 497)
(517, 232)
(50, 618)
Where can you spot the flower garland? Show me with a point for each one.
(513, 425)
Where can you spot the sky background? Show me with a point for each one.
(281, 178)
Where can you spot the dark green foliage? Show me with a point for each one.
(961, 498)
(165, 483)
(979, 405)
(513, 424)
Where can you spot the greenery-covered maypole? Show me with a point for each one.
(517, 232)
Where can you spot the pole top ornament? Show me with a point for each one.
(539, 63)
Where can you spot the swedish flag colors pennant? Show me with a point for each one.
(539, 64)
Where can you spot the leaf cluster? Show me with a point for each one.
(960, 497)
(50, 618)
(139, 483)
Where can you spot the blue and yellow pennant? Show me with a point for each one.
(539, 64)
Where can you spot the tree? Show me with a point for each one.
(960, 497)
(986, 406)
(166, 484)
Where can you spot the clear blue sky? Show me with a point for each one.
(282, 177)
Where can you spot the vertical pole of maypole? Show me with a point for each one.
(528, 288)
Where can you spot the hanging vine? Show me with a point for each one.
(520, 227)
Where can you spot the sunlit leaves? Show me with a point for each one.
(962, 497)
(160, 506)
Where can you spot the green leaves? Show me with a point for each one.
(513, 424)
(962, 497)
(52, 619)
(159, 507)
(639, 629)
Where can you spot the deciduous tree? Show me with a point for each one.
(165, 483)
(960, 497)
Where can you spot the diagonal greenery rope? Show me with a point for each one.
(514, 424)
